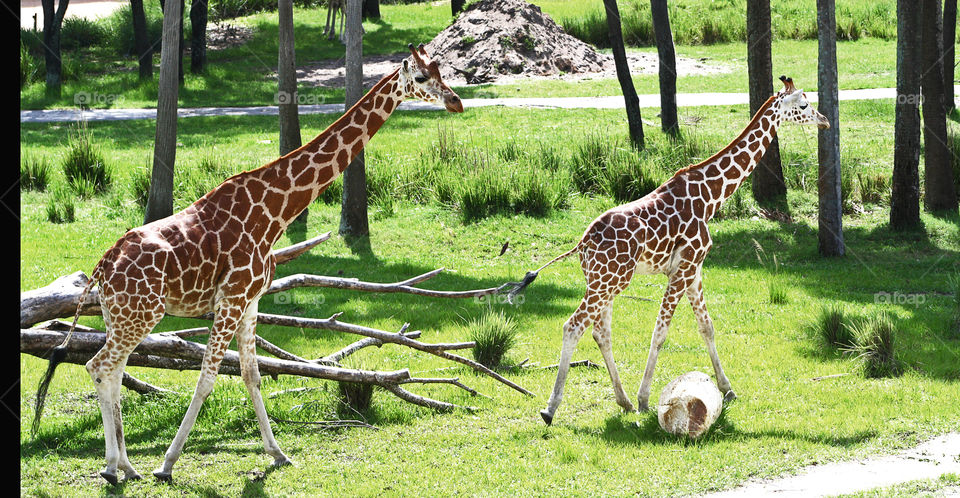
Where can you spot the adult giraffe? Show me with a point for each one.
(666, 232)
(215, 256)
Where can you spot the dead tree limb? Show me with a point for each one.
(288, 253)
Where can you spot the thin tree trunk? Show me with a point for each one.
(940, 190)
(353, 207)
(160, 200)
(198, 35)
(905, 193)
(668, 67)
(52, 22)
(830, 212)
(287, 97)
(630, 98)
(949, 51)
(141, 40)
(767, 182)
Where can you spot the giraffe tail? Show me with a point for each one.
(514, 288)
(58, 354)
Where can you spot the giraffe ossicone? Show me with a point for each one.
(215, 256)
(665, 232)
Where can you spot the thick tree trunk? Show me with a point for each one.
(141, 40)
(160, 200)
(767, 181)
(456, 6)
(371, 9)
(630, 98)
(905, 193)
(668, 67)
(830, 212)
(287, 97)
(52, 24)
(949, 51)
(353, 207)
(940, 190)
(198, 35)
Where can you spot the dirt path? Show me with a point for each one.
(609, 102)
(91, 9)
(930, 460)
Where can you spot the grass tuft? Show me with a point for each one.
(61, 207)
(833, 327)
(34, 173)
(875, 346)
(83, 164)
(494, 334)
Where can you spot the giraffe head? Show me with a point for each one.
(795, 107)
(420, 79)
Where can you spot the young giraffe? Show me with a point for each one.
(215, 256)
(666, 232)
(334, 7)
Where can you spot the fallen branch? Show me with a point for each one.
(328, 424)
(406, 286)
(579, 363)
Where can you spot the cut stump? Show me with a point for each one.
(689, 405)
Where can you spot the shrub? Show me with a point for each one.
(29, 66)
(34, 173)
(873, 188)
(60, 207)
(874, 345)
(628, 177)
(354, 397)
(140, 186)
(80, 32)
(119, 28)
(83, 163)
(494, 334)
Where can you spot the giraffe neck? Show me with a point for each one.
(269, 198)
(727, 169)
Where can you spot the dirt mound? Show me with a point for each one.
(495, 38)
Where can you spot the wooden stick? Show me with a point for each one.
(579, 363)
(289, 253)
(308, 280)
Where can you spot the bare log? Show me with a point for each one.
(134, 384)
(406, 286)
(58, 300)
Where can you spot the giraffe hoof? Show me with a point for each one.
(111, 477)
(547, 417)
(163, 476)
(730, 396)
(642, 407)
(282, 462)
(132, 477)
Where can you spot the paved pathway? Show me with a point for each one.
(612, 102)
(930, 460)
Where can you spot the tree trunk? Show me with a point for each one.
(179, 28)
(141, 40)
(198, 35)
(668, 67)
(52, 22)
(160, 200)
(456, 6)
(371, 9)
(767, 182)
(353, 207)
(940, 190)
(630, 98)
(830, 212)
(287, 86)
(949, 51)
(905, 186)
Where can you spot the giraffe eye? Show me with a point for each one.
(804, 106)
(420, 79)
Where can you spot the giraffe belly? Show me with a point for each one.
(191, 304)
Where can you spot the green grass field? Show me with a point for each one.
(782, 420)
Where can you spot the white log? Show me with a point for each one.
(689, 405)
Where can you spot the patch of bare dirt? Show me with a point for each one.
(223, 35)
(501, 41)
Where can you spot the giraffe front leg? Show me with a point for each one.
(705, 324)
(250, 371)
(224, 327)
(679, 281)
